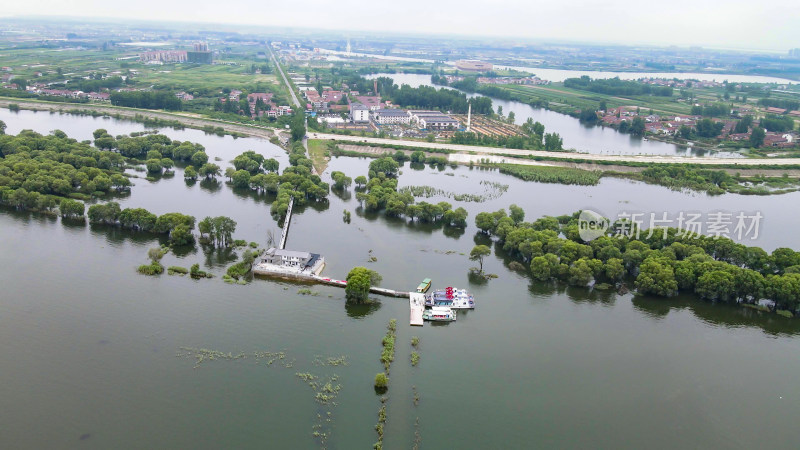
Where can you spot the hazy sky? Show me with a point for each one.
(768, 24)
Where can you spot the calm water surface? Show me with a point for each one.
(88, 347)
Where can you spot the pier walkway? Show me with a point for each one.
(285, 233)
(416, 303)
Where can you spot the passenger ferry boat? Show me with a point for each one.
(451, 298)
(424, 286)
(439, 314)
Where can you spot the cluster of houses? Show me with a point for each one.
(530, 81)
(371, 110)
(669, 126)
(42, 89)
(773, 110)
(260, 104)
(680, 83)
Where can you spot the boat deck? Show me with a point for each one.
(416, 303)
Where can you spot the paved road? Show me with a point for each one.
(565, 155)
(285, 80)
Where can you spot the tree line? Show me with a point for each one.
(147, 100)
(55, 165)
(178, 226)
(663, 263)
(615, 86)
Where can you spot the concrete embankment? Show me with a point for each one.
(587, 157)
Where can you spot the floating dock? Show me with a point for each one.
(416, 302)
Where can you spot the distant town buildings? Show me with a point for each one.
(163, 56)
(199, 54)
(472, 65)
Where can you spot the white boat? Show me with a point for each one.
(451, 298)
(439, 314)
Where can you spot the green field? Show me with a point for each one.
(317, 150)
(191, 77)
(566, 100)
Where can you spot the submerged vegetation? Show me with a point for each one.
(243, 267)
(548, 174)
(387, 355)
(492, 190)
(381, 194)
(154, 268)
(382, 380)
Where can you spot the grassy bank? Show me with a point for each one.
(319, 154)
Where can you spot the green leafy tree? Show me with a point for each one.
(386, 165)
(359, 281)
(757, 137)
(189, 173)
(199, 158)
(71, 208)
(209, 170)
(553, 142)
(580, 273)
(154, 165)
(614, 269)
(181, 235)
(340, 180)
(637, 127)
(167, 164)
(516, 213)
(716, 285)
(271, 165)
(478, 253)
(241, 179)
(540, 268)
(656, 278)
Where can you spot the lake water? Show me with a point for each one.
(557, 75)
(88, 347)
(578, 136)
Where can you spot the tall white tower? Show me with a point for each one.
(469, 116)
(349, 48)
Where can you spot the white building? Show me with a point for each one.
(433, 120)
(437, 123)
(287, 258)
(359, 113)
(391, 116)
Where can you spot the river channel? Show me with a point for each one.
(90, 350)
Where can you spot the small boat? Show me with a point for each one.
(451, 298)
(439, 314)
(424, 286)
